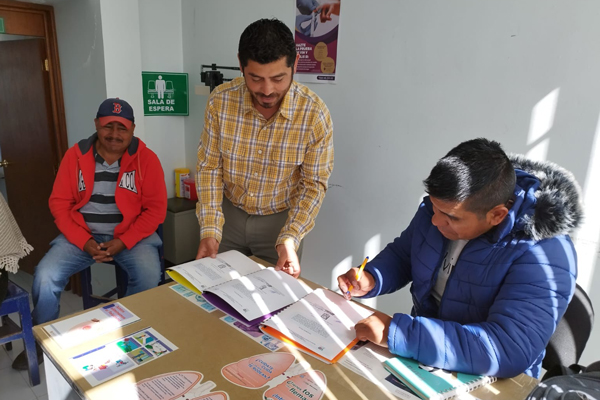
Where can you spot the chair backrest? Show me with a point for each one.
(572, 333)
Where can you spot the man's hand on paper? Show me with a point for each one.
(359, 287)
(209, 247)
(374, 328)
(98, 254)
(288, 259)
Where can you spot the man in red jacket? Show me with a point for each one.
(108, 199)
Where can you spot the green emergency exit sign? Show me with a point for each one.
(1, 25)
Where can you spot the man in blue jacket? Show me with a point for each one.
(491, 263)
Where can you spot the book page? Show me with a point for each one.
(323, 322)
(260, 293)
(207, 272)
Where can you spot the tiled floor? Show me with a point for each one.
(14, 385)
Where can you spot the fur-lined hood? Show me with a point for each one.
(547, 200)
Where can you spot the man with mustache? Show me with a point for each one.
(265, 154)
(108, 199)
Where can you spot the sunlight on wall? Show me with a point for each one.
(586, 238)
(542, 120)
(542, 116)
(539, 152)
(338, 270)
(372, 248)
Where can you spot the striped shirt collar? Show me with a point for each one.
(100, 159)
(285, 108)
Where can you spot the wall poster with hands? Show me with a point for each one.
(316, 35)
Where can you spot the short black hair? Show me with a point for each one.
(477, 171)
(265, 41)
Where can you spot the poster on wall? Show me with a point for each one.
(316, 35)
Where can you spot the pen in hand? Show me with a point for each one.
(358, 274)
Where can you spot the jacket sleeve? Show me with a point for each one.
(525, 313)
(392, 267)
(154, 203)
(63, 199)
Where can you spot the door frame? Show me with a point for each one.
(32, 19)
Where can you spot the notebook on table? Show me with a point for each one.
(434, 383)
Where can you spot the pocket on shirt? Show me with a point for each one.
(286, 164)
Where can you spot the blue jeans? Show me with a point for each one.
(64, 259)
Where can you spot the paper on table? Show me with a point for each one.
(179, 385)
(260, 293)
(254, 333)
(321, 322)
(194, 297)
(83, 327)
(119, 356)
(367, 361)
(206, 272)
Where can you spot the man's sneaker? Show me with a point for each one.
(21, 363)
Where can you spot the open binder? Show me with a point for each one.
(320, 322)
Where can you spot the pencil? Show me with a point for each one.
(359, 273)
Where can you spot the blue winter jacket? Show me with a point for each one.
(508, 290)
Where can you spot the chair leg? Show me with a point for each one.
(7, 346)
(122, 281)
(85, 277)
(29, 342)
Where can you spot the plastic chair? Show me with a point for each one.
(572, 333)
(91, 300)
(17, 300)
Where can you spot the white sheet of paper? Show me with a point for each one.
(323, 321)
(207, 272)
(262, 292)
(83, 327)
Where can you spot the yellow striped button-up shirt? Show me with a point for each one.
(264, 166)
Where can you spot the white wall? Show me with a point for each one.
(415, 79)
(122, 55)
(162, 50)
(81, 52)
(208, 41)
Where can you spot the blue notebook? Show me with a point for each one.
(433, 383)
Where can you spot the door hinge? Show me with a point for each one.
(46, 67)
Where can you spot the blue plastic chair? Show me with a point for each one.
(17, 300)
(91, 300)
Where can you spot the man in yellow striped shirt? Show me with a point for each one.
(265, 154)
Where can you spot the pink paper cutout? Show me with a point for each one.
(298, 386)
(192, 377)
(254, 372)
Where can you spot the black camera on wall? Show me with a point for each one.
(213, 77)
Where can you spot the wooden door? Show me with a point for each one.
(27, 142)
